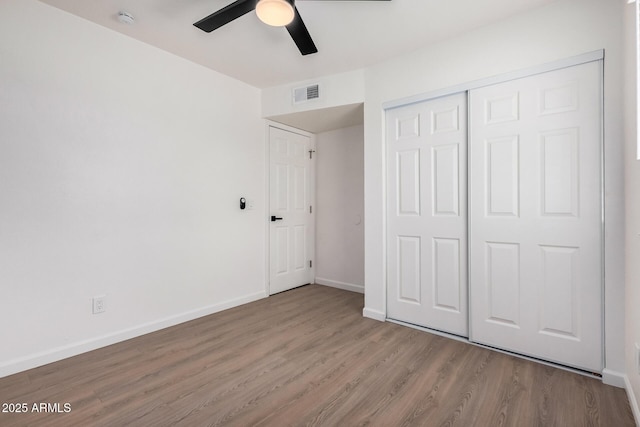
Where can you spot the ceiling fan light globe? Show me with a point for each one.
(276, 13)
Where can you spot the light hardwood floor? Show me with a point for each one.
(307, 357)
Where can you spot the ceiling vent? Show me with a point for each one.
(307, 93)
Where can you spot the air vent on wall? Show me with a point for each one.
(307, 93)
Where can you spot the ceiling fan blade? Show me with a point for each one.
(300, 35)
(226, 14)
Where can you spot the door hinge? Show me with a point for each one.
(310, 209)
(310, 264)
(311, 153)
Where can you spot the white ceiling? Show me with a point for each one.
(349, 34)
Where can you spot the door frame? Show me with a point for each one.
(267, 223)
(609, 239)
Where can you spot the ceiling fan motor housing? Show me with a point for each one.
(276, 13)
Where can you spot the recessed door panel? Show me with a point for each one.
(299, 187)
(503, 280)
(409, 269)
(298, 149)
(407, 127)
(300, 247)
(408, 181)
(500, 109)
(447, 120)
(279, 147)
(559, 99)
(559, 302)
(281, 237)
(446, 274)
(560, 172)
(502, 164)
(445, 171)
(280, 180)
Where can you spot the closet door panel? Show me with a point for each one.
(535, 216)
(426, 214)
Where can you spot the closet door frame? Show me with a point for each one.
(597, 55)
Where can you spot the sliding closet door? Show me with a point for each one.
(426, 214)
(535, 216)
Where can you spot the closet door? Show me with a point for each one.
(535, 216)
(426, 214)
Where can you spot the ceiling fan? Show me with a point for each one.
(277, 13)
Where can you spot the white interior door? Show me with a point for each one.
(535, 216)
(291, 232)
(427, 215)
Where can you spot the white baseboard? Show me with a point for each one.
(340, 285)
(633, 402)
(374, 314)
(614, 378)
(42, 358)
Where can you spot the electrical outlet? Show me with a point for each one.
(99, 304)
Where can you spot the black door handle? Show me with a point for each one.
(275, 218)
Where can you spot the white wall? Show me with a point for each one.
(121, 167)
(340, 208)
(335, 90)
(560, 30)
(632, 232)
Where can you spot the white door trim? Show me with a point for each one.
(596, 55)
(271, 124)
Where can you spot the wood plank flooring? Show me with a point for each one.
(307, 357)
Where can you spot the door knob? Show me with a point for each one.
(275, 218)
